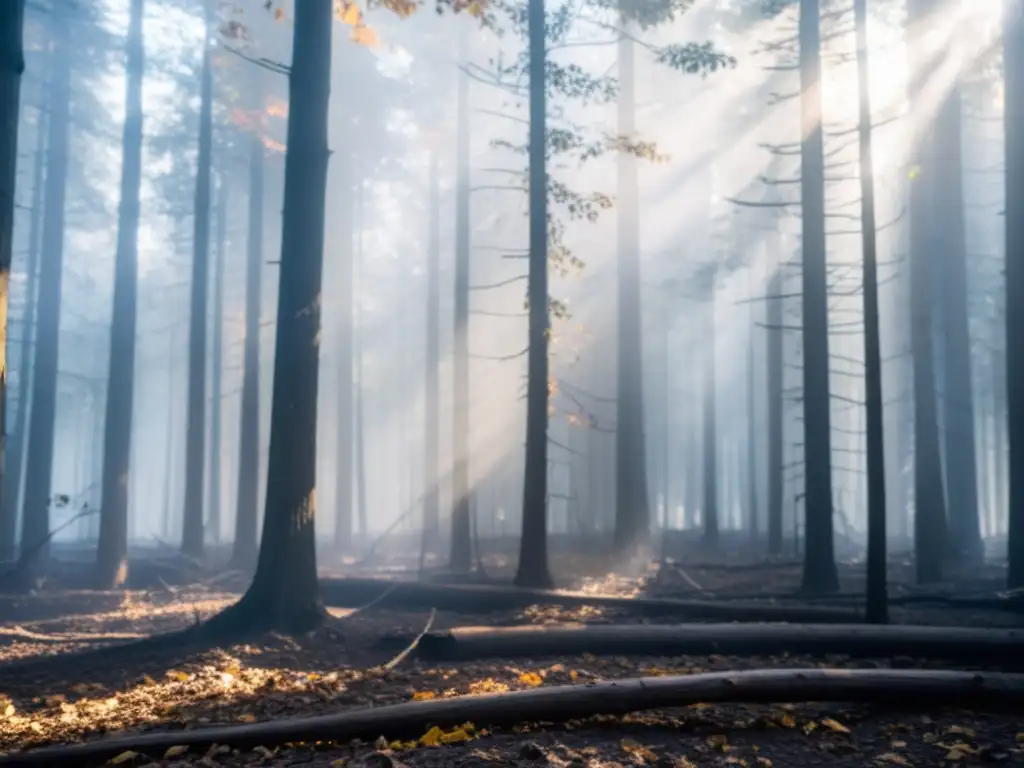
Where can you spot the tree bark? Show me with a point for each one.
(117, 437)
(14, 450)
(1013, 67)
(877, 610)
(820, 574)
(284, 594)
(246, 515)
(217, 361)
(929, 496)
(776, 447)
(632, 512)
(461, 551)
(12, 65)
(958, 400)
(39, 453)
(432, 402)
(709, 511)
(192, 534)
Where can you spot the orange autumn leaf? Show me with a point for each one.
(363, 35)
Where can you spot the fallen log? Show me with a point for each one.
(558, 704)
(992, 602)
(478, 598)
(993, 647)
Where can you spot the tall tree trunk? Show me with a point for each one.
(533, 543)
(776, 447)
(958, 402)
(1013, 68)
(246, 515)
(820, 574)
(432, 402)
(12, 65)
(929, 496)
(877, 598)
(360, 391)
(710, 417)
(39, 456)
(461, 553)
(752, 441)
(343, 291)
(632, 513)
(171, 433)
(192, 534)
(285, 594)
(217, 361)
(117, 437)
(14, 451)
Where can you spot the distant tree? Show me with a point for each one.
(192, 534)
(39, 454)
(1013, 72)
(113, 539)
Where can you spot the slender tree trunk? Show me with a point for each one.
(14, 451)
(343, 290)
(39, 455)
(192, 534)
(1013, 68)
(12, 65)
(432, 401)
(246, 514)
(461, 554)
(752, 441)
(632, 512)
(533, 544)
(171, 432)
(710, 418)
(360, 392)
(820, 574)
(285, 593)
(117, 438)
(929, 497)
(877, 599)
(961, 469)
(776, 439)
(217, 361)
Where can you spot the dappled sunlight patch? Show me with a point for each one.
(560, 614)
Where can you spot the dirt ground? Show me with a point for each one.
(47, 697)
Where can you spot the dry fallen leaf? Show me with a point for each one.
(125, 757)
(175, 751)
(424, 696)
(892, 758)
(531, 678)
(834, 725)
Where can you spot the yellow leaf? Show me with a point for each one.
(338, 763)
(786, 720)
(531, 679)
(175, 751)
(363, 35)
(432, 737)
(424, 696)
(834, 725)
(574, 675)
(176, 674)
(247, 717)
(124, 757)
(557, 668)
(348, 13)
(962, 730)
(459, 734)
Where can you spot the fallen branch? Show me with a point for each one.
(558, 704)
(412, 646)
(976, 646)
(473, 598)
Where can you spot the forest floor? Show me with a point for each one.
(47, 696)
